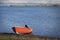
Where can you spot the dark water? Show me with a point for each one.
(45, 21)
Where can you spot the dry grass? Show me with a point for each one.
(23, 37)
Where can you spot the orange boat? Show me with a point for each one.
(20, 30)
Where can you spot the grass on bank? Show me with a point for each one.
(23, 37)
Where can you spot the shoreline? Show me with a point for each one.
(36, 5)
(27, 35)
(24, 37)
(31, 4)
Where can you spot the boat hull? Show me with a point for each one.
(19, 30)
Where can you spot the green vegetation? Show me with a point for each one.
(23, 37)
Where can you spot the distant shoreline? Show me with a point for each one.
(31, 4)
(36, 5)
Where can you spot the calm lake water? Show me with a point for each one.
(44, 21)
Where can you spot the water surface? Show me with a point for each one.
(44, 21)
